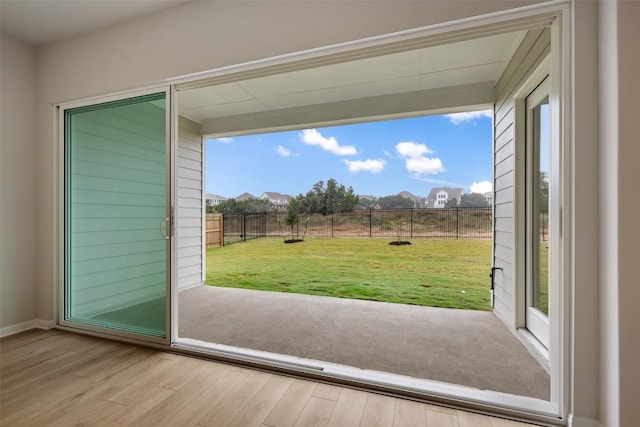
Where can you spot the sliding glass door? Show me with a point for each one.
(117, 217)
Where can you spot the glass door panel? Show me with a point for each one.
(538, 245)
(116, 216)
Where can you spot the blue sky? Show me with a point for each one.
(379, 158)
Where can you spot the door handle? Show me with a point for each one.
(163, 228)
(493, 276)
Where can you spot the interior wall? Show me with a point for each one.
(620, 234)
(629, 206)
(585, 382)
(18, 185)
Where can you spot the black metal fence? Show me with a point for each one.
(455, 223)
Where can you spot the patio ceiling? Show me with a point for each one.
(392, 79)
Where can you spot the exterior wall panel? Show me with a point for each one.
(189, 212)
(533, 49)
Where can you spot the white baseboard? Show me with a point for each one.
(583, 422)
(25, 326)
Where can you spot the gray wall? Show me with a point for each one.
(19, 192)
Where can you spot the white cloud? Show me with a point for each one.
(415, 160)
(313, 137)
(285, 152)
(369, 165)
(225, 140)
(440, 182)
(457, 118)
(424, 165)
(412, 150)
(481, 187)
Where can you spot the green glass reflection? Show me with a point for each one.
(115, 200)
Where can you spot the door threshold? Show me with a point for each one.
(534, 347)
(519, 408)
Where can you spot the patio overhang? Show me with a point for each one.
(431, 77)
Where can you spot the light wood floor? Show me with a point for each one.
(54, 378)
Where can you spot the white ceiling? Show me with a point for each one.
(40, 22)
(454, 64)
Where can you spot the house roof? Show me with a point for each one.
(214, 196)
(453, 192)
(408, 195)
(273, 195)
(245, 196)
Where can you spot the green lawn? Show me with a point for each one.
(437, 273)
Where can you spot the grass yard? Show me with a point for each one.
(437, 273)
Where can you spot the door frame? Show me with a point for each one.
(170, 155)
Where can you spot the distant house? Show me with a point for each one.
(245, 196)
(488, 197)
(278, 200)
(214, 199)
(408, 195)
(366, 201)
(439, 196)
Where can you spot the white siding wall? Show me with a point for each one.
(189, 212)
(534, 48)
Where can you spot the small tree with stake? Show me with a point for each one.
(293, 220)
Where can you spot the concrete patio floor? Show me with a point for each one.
(465, 347)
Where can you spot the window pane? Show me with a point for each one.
(540, 205)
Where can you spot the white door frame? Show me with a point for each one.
(170, 143)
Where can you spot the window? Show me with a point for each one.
(538, 244)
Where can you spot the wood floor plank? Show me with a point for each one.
(230, 406)
(100, 414)
(288, 409)
(150, 378)
(468, 419)
(378, 411)
(25, 403)
(108, 360)
(259, 407)
(316, 413)
(349, 409)
(441, 419)
(327, 391)
(501, 422)
(22, 341)
(125, 415)
(442, 409)
(185, 401)
(202, 403)
(409, 414)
